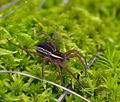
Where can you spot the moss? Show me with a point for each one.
(84, 25)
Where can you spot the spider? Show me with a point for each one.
(51, 52)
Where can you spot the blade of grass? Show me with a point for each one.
(34, 77)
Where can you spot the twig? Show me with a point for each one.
(93, 59)
(62, 96)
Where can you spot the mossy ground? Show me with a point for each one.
(84, 25)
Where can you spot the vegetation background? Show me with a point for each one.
(84, 25)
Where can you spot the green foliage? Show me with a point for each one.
(84, 25)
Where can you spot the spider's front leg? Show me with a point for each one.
(24, 49)
(29, 51)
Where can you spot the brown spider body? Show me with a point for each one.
(52, 53)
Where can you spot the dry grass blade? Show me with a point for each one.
(34, 77)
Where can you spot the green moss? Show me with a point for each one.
(84, 25)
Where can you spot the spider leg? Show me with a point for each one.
(66, 68)
(24, 49)
(57, 41)
(60, 75)
(59, 70)
(57, 45)
(29, 51)
(43, 63)
(75, 53)
(49, 38)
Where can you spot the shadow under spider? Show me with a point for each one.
(51, 52)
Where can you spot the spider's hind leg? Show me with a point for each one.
(87, 64)
(75, 53)
(69, 71)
